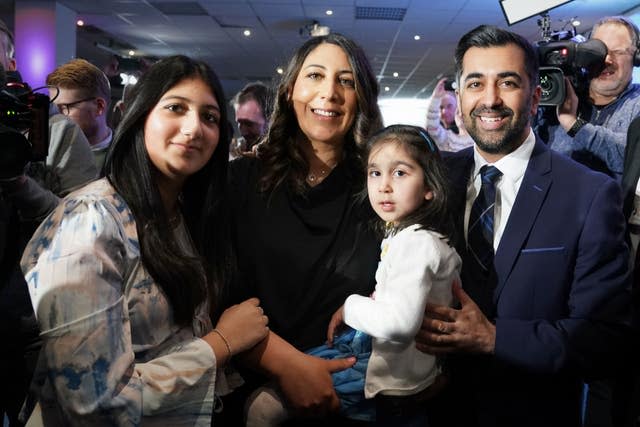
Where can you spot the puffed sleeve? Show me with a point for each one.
(75, 267)
(416, 266)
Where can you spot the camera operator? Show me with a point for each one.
(593, 130)
(28, 192)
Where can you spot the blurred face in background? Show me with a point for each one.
(80, 108)
(448, 109)
(251, 121)
(619, 62)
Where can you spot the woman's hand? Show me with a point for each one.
(243, 325)
(307, 384)
(335, 324)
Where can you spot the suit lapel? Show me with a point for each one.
(459, 166)
(531, 195)
(631, 166)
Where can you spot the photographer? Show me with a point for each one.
(28, 192)
(444, 124)
(593, 130)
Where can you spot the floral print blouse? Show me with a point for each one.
(112, 354)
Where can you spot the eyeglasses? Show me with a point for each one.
(66, 108)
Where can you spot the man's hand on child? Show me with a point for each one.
(446, 330)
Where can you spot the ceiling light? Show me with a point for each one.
(329, 12)
(416, 37)
(247, 33)
(387, 88)
(280, 70)
(131, 53)
(79, 22)
(128, 79)
(576, 22)
(395, 74)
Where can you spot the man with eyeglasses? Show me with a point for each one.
(593, 131)
(81, 91)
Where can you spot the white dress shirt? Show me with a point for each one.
(512, 166)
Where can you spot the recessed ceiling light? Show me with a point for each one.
(131, 53)
(280, 70)
(79, 22)
(387, 88)
(395, 74)
(416, 37)
(329, 12)
(247, 33)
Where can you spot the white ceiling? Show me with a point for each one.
(213, 30)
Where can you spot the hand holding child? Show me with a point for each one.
(335, 324)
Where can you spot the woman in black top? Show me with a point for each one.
(303, 241)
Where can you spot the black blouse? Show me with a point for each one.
(301, 255)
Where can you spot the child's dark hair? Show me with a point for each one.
(434, 214)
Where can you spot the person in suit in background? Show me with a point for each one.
(626, 390)
(544, 298)
(630, 188)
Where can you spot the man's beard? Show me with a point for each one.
(505, 140)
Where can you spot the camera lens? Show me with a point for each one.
(551, 82)
(547, 85)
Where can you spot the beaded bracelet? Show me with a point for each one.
(226, 343)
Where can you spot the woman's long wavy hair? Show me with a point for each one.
(186, 280)
(281, 153)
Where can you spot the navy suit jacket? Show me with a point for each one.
(561, 301)
(631, 166)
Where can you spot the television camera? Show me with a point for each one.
(24, 125)
(563, 54)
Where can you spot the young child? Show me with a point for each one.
(407, 188)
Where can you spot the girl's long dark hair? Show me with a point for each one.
(186, 280)
(282, 155)
(434, 214)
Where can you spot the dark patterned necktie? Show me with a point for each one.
(480, 231)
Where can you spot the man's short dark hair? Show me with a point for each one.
(258, 92)
(486, 36)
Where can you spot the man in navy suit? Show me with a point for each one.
(545, 309)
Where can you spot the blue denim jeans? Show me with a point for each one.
(349, 383)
